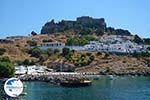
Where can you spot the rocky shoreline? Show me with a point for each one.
(122, 73)
(56, 79)
(53, 79)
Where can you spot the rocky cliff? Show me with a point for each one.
(81, 23)
(84, 25)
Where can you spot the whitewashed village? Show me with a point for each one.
(111, 44)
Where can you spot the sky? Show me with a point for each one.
(20, 17)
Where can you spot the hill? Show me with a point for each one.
(14, 53)
(84, 25)
(79, 32)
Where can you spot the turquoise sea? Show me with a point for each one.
(120, 88)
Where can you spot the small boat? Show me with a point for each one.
(95, 78)
(24, 94)
(24, 86)
(110, 77)
(76, 83)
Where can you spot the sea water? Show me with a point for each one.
(119, 88)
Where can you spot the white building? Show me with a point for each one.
(59, 45)
(35, 69)
(20, 70)
(112, 43)
(93, 46)
(120, 47)
(53, 45)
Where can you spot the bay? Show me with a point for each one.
(120, 88)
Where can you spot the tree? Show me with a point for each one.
(88, 54)
(71, 42)
(2, 51)
(137, 39)
(110, 29)
(33, 33)
(99, 53)
(49, 52)
(89, 37)
(65, 51)
(6, 68)
(35, 52)
(99, 32)
(140, 54)
(147, 41)
(26, 62)
(92, 57)
(148, 48)
(32, 62)
(85, 31)
(32, 43)
(106, 55)
(56, 51)
(5, 59)
(82, 41)
(18, 62)
(122, 32)
(43, 57)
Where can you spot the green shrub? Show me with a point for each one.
(33, 33)
(26, 62)
(32, 43)
(92, 58)
(99, 53)
(65, 52)
(2, 51)
(124, 61)
(43, 57)
(5, 59)
(35, 52)
(56, 51)
(50, 51)
(106, 55)
(6, 68)
(88, 54)
(18, 62)
(138, 40)
(79, 40)
(32, 62)
(141, 54)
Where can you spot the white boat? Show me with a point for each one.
(111, 77)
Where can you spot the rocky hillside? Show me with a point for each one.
(102, 63)
(14, 52)
(78, 32)
(120, 65)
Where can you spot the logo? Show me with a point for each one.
(13, 87)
